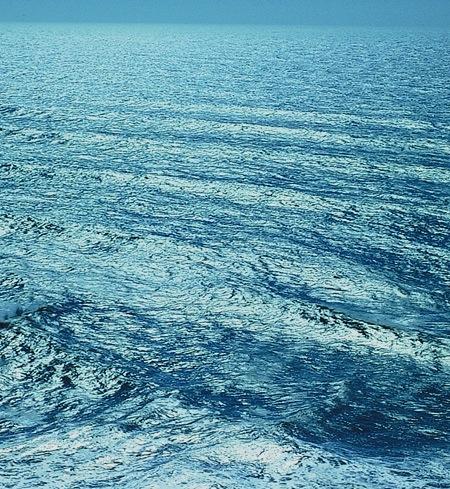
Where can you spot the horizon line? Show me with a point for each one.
(225, 24)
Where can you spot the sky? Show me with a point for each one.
(303, 12)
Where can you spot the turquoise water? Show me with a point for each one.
(224, 257)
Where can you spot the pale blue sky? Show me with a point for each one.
(315, 12)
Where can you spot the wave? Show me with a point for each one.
(12, 310)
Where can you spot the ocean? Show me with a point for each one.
(224, 257)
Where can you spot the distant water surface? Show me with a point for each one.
(224, 257)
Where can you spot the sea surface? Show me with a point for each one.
(224, 257)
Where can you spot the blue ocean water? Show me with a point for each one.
(224, 257)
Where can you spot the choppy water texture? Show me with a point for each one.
(224, 257)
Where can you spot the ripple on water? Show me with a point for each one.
(223, 258)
